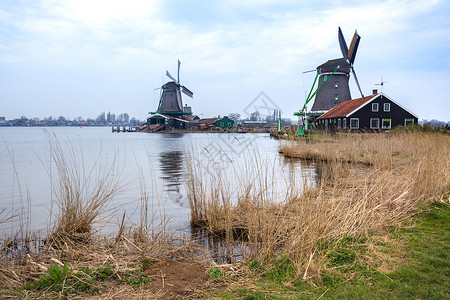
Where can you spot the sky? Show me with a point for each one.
(76, 58)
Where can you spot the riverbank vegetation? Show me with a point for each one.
(355, 226)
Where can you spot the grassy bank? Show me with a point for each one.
(407, 262)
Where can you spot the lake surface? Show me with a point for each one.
(146, 163)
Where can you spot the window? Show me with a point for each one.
(339, 123)
(336, 97)
(336, 84)
(326, 124)
(374, 107)
(386, 124)
(344, 123)
(354, 123)
(409, 122)
(387, 107)
(325, 78)
(374, 123)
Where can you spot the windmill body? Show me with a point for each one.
(336, 89)
(170, 101)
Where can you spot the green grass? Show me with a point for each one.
(418, 254)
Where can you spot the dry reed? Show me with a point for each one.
(81, 195)
(403, 171)
(80, 192)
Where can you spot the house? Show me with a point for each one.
(165, 120)
(370, 113)
(224, 123)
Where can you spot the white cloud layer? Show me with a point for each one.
(81, 57)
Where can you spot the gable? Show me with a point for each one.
(381, 95)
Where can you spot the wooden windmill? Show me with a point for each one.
(170, 102)
(334, 76)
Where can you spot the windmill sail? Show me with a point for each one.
(180, 104)
(357, 82)
(186, 91)
(342, 44)
(170, 76)
(179, 64)
(353, 48)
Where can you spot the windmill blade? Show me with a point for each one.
(186, 91)
(342, 44)
(357, 82)
(180, 104)
(157, 88)
(353, 47)
(170, 76)
(309, 71)
(179, 63)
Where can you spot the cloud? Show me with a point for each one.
(229, 49)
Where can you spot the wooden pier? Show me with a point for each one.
(123, 129)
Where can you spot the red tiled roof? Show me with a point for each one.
(207, 120)
(346, 107)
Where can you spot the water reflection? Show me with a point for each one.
(304, 171)
(171, 165)
(219, 248)
(171, 162)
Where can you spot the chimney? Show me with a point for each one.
(374, 92)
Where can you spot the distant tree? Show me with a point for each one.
(101, 118)
(61, 119)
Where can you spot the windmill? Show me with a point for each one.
(170, 102)
(335, 91)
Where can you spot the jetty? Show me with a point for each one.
(123, 129)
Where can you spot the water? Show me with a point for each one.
(153, 164)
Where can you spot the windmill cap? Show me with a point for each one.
(332, 64)
(170, 85)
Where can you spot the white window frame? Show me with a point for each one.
(385, 127)
(412, 122)
(336, 96)
(374, 107)
(388, 105)
(336, 84)
(378, 123)
(344, 123)
(354, 119)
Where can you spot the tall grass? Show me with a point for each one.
(81, 192)
(402, 172)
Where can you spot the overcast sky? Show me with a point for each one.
(81, 57)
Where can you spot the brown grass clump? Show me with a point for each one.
(80, 194)
(403, 171)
